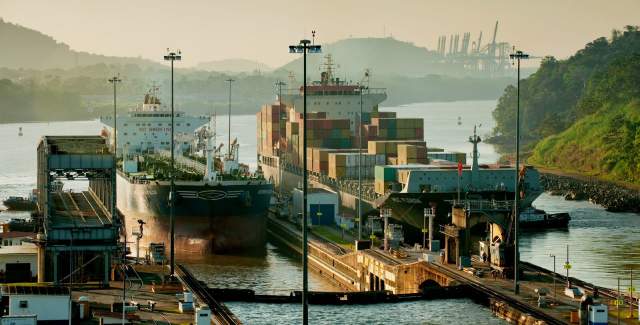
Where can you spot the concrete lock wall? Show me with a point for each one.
(47, 308)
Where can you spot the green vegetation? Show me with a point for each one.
(334, 235)
(583, 114)
(606, 142)
(563, 91)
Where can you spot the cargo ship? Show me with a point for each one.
(220, 207)
(398, 170)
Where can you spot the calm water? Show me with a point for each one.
(603, 245)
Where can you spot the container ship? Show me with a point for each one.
(219, 207)
(399, 171)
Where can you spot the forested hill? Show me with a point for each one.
(562, 92)
(25, 48)
(583, 114)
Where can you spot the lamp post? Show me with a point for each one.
(518, 56)
(555, 295)
(360, 167)
(172, 56)
(230, 80)
(115, 80)
(280, 83)
(305, 46)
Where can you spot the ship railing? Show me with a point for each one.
(477, 205)
(184, 161)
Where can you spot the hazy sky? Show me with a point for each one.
(262, 29)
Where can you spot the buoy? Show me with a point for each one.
(20, 131)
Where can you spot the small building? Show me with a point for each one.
(15, 238)
(322, 205)
(18, 263)
(50, 305)
(18, 257)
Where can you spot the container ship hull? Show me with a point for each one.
(218, 218)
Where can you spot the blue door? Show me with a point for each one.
(322, 214)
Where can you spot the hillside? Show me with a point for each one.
(384, 56)
(29, 49)
(233, 66)
(555, 97)
(606, 141)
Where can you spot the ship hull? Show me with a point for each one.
(220, 218)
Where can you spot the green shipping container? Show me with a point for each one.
(385, 173)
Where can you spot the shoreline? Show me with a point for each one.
(613, 196)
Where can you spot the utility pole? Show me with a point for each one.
(518, 56)
(555, 291)
(115, 80)
(280, 83)
(305, 46)
(359, 216)
(172, 56)
(230, 80)
(114, 213)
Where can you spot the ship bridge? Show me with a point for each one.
(77, 235)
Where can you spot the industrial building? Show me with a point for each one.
(78, 237)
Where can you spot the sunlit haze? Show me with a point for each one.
(261, 30)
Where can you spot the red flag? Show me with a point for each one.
(459, 168)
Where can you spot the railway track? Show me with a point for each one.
(219, 313)
(484, 289)
(602, 291)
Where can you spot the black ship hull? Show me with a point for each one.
(218, 218)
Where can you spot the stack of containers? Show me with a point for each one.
(385, 176)
(390, 148)
(399, 128)
(412, 154)
(259, 133)
(271, 128)
(346, 165)
(449, 156)
(328, 133)
(319, 161)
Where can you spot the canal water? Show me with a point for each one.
(603, 245)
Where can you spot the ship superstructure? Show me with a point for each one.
(147, 126)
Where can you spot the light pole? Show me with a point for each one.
(305, 46)
(360, 167)
(230, 80)
(172, 56)
(280, 83)
(518, 56)
(115, 80)
(555, 294)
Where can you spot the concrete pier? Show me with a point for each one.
(406, 271)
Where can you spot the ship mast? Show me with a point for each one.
(475, 139)
(210, 173)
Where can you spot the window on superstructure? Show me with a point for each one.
(188, 124)
(125, 124)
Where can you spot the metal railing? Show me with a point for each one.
(183, 161)
(487, 205)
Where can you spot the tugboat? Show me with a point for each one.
(19, 203)
(532, 218)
